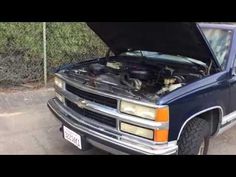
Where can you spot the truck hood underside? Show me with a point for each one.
(184, 39)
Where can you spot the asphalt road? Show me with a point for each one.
(28, 127)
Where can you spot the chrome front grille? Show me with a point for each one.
(92, 97)
(109, 121)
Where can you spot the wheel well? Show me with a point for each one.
(213, 117)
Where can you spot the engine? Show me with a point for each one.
(145, 81)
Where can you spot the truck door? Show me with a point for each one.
(232, 79)
(233, 87)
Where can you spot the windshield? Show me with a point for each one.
(220, 41)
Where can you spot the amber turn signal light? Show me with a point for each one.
(161, 136)
(162, 114)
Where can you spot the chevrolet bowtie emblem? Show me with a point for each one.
(81, 103)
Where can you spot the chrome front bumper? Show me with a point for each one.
(110, 141)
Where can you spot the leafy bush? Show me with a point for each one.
(24, 38)
(21, 48)
(20, 52)
(70, 42)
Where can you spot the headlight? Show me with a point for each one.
(138, 131)
(159, 136)
(61, 98)
(156, 114)
(59, 83)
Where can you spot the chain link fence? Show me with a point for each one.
(21, 49)
(20, 53)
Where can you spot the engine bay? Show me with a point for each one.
(146, 82)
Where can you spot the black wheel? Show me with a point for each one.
(194, 139)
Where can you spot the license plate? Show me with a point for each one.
(72, 137)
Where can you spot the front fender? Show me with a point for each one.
(195, 99)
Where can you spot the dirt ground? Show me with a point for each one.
(28, 127)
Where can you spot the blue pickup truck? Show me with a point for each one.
(162, 88)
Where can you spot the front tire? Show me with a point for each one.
(194, 139)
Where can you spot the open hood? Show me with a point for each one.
(174, 38)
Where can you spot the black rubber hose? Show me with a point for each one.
(125, 79)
